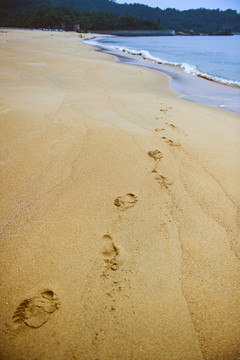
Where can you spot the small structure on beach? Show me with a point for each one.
(76, 27)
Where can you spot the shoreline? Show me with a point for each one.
(182, 82)
(119, 217)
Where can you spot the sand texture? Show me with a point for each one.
(119, 210)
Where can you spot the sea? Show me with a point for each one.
(198, 66)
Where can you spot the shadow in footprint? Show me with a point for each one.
(155, 154)
(170, 142)
(176, 128)
(126, 201)
(163, 181)
(172, 126)
(110, 253)
(35, 312)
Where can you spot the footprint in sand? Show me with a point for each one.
(126, 201)
(165, 106)
(170, 142)
(172, 126)
(110, 253)
(35, 312)
(163, 181)
(175, 127)
(158, 130)
(155, 154)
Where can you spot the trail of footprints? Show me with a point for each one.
(157, 154)
(110, 251)
(35, 312)
(113, 256)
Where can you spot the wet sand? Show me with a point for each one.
(193, 88)
(119, 210)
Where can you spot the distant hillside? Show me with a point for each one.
(86, 5)
(136, 10)
(105, 15)
(200, 20)
(12, 6)
(65, 14)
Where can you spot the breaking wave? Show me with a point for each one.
(146, 55)
(188, 68)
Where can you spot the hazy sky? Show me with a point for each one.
(188, 4)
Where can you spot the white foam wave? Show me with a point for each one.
(188, 68)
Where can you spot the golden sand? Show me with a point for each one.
(119, 210)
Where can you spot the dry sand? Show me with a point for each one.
(119, 210)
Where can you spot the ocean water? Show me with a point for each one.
(214, 57)
(189, 61)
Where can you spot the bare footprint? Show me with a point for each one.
(171, 142)
(172, 126)
(126, 201)
(163, 181)
(155, 154)
(35, 312)
(158, 130)
(110, 253)
(175, 127)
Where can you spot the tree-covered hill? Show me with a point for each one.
(108, 15)
(200, 20)
(42, 14)
(11, 6)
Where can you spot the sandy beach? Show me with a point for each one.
(119, 210)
